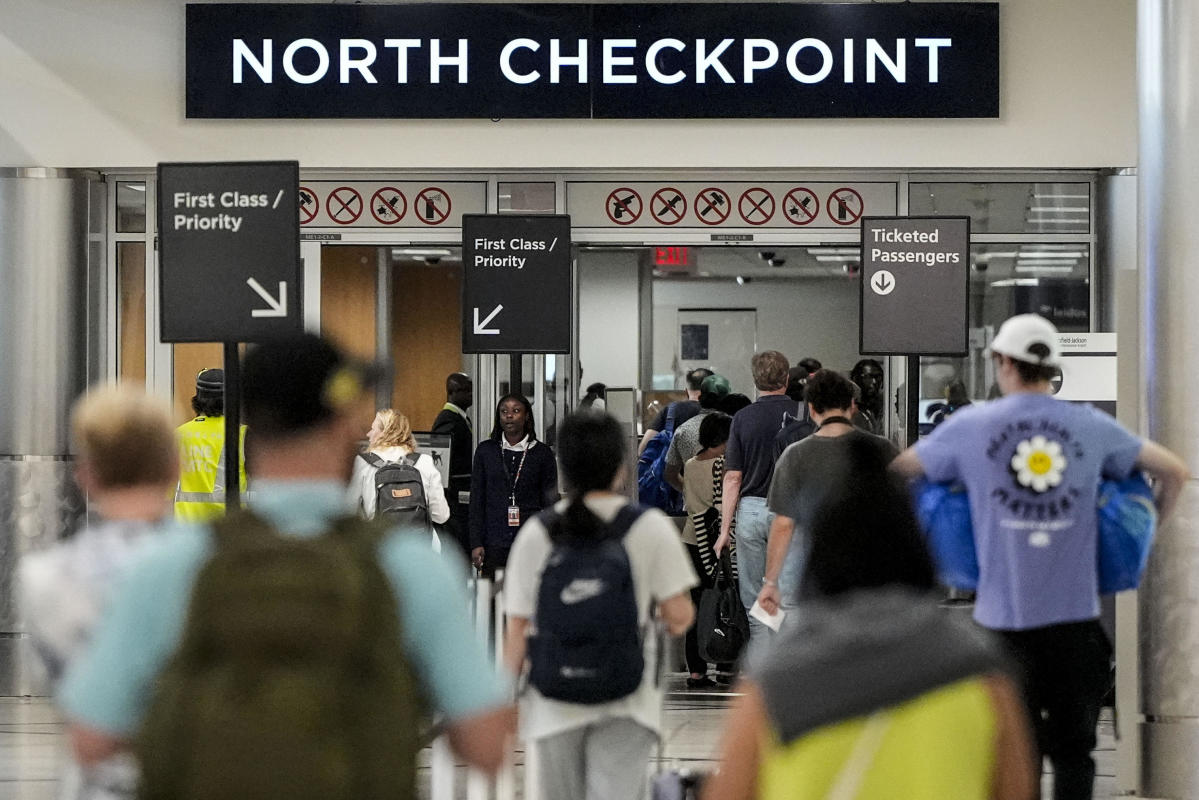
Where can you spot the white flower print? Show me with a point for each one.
(1039, 464)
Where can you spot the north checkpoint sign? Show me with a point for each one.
(516, 296)
(229, 251)
(915, 289)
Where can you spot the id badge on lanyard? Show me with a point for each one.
(513, 515)
(513, 508)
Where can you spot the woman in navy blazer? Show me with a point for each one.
(514, 476)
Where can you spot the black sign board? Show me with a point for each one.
(915, 288)
(229, 251)
(592, 60)
(516, 295)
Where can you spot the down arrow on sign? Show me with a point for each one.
(481, 328)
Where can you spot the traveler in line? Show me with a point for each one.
(733, 403)
(685, 442)
(200, 494)
(806, 474)
(595, 399)
(514, 476)
(127, 463)
(1032, 465)
(703, 487)
(390, 439)
(748, 468)
(803, 426)
(454, 421)
(868, 375)
(593, 735)
(683, 409)
(233, 689)
(875, 692)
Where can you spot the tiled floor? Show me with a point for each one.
(31, 738)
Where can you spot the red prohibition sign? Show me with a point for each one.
(712, 206)
(800, 206)
(756, 206)
(668, 206)
(388, 205)
(845, 206)
(623, 206)
(310, 204)
(427, 205)
(344, 205)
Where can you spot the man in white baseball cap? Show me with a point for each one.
(1032, 465)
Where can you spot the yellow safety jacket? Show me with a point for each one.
(200, 494)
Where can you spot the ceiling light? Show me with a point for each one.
(1043, 268)
(1039, 196)
(1061, 209)
(1044, 221)
(413, 252)
(854, 256)
(1017, 282)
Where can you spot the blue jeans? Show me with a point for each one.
(753, 532)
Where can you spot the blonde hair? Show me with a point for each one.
(125, 436)
(397, 430)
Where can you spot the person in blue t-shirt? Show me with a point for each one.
(1032, 465)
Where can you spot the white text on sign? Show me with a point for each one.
(896, 236)
(211, 201)
(509, 260)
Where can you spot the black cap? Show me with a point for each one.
(298, 382)
(210, 382)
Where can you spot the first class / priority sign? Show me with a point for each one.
(915, 288)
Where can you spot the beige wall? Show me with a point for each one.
(100, 84)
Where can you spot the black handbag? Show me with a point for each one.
(721, 625)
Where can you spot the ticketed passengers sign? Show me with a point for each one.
(592, 60)
(516, 293)
(915, 286)
(229, 251)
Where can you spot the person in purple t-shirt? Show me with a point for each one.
(1032, 465)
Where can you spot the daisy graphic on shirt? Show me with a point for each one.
(1039, 464)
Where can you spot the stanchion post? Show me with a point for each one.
(232, 454)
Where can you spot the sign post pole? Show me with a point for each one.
(232, 428)
(912, 424)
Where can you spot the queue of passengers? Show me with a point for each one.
(300, 649)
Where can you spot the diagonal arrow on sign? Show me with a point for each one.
(481, 328)
(278, 307)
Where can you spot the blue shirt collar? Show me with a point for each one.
(302, 507)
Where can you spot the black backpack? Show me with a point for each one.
(588, 646)
(399, 490)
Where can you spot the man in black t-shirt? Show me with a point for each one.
(683, 409)
(804, 477)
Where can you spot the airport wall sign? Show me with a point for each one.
(915, 286)
(229, 251)
(592, 60)
(516, 289)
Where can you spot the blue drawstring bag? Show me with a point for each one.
(944, 513)
(1127, 524)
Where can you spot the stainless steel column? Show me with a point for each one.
(46, 218)
(1168, 166)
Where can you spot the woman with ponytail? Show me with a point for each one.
(593, 738)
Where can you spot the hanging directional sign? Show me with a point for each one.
(229, 250)
(915, 287)
(516, 294)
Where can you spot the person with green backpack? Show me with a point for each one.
(290, 650)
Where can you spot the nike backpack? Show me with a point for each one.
(291, 680)
(399, 491)
(587, 645)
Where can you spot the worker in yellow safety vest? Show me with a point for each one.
(201, 492)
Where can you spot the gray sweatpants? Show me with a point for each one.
(602, 761)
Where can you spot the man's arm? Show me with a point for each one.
(731, 497)
(1170, 471)
(781, 530)
(91, 745)
(650, 433)
(484, 739)
(678, 613)
(908, 464)
(674, 476)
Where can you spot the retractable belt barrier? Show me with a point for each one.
(488, 612)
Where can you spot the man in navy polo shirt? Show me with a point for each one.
(748, 468)
(1032, 465)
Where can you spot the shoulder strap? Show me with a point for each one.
(373, 459)
(670, 418)
(624, 520)
(411, 458)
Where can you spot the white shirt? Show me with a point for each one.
(362, 484)
(661, 569)
(522, 445)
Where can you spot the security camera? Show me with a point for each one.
(777, 262)
(980, 266)
(743, 279)
(766, 255)
(432, 261)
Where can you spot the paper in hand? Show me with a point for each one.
(773, 621)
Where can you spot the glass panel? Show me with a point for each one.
(526, 198)
(1006, 279)
(131, 207)
(131, 311)
(1021, 207)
